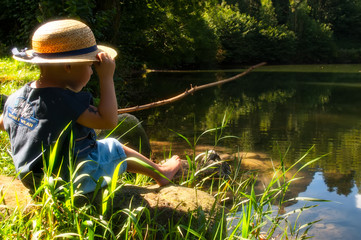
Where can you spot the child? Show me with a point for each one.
(35, 115)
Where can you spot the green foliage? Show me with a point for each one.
(267, 13)
(348, 55)
(282, 10)
(244, 39)
(251, 7)
(196, 34)
(17, 19)
(315, 39)
(343, 16)
(50, 9)
(166, 33)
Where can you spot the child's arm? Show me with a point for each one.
(2, 123)
(105, 115)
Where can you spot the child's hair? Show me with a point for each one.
(62, 41)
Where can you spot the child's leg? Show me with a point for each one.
(168, 169)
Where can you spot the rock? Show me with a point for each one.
(216, 164)
(131, 133)
(208, 163)
(167, 204)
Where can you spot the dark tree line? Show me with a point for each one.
(194, 34)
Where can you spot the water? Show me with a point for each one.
(340, 219)
(275, 109)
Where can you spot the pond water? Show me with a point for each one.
(276, 108)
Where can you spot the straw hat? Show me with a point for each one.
(63, 41)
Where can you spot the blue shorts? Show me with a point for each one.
(100, 163)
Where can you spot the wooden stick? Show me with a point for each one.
(187, 92)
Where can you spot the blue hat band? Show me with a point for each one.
(68, 53)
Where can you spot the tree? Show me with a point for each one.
(244, 39)
(315, 39)
(282, 10)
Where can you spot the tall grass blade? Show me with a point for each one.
(110, 133)
(189, 230)
(185, 138)
(129, 130)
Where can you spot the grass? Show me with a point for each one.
(14, 74)
(245, 213)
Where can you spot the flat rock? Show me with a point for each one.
(171, 197)
(171, 203)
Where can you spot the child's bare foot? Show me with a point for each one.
(169, 169)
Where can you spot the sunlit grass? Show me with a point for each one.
(6, 162)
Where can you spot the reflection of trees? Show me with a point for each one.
(342, 183)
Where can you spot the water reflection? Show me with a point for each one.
(358, 201)
(277, 112)
(340, 218)
(342, 184)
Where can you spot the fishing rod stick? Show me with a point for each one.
(187, 92)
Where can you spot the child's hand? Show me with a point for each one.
(105, 67)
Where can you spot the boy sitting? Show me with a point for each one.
(35, 115)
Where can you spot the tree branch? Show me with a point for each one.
(187, 92)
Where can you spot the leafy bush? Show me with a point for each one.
(348, 55)
(197, 34)
(166, 34)
(244, 39)
(314, 39)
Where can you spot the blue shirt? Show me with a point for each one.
(34, 119)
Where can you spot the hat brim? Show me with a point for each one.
(89, 57)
